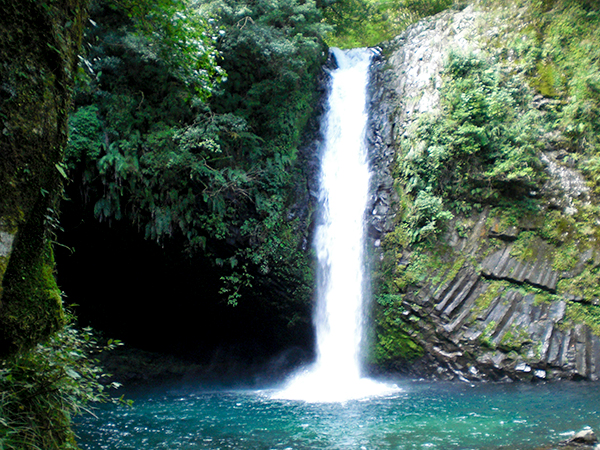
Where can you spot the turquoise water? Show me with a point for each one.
(422, 415)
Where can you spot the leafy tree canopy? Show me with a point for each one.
(360, 23)
(162, 139)
(172, 32)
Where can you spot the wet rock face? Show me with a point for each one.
(403, 85)
(480, 324)
(420, 55)
(382, 152)
(585, 438)
(492, 312)
(538, 273)
(397, 95)
(564, 184)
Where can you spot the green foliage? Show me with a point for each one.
(215, 174)
(525, 247)
(414, 272)
(485, 338)
(559, 53)
(176, 34)
(234, 283)
(566, 256)
(586, 285)
(42, 389)
(586, 313)
(85, 136)
(493, 290)
(361, 23)
(272, 52)
(401, 269)
(396, 342)
(480, 149)
(450, 273)
(569, 34)
(514, 339)
(427, 216)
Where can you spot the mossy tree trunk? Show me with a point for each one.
(39, 44)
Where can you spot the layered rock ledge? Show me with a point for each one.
(498, 304)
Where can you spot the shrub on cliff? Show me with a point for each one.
(480, 147)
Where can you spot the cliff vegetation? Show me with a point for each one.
(492, 260)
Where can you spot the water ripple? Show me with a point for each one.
(423, 416)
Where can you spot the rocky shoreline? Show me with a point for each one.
(585, 439)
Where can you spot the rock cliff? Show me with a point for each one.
(496, 294)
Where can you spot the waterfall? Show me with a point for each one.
(339, 241)
(339, 238)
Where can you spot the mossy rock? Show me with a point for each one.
(396, 346)
(39, 44)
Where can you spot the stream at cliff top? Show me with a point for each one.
(421, 415)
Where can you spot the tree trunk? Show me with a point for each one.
(39, 44)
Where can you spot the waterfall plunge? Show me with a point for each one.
(339, 242)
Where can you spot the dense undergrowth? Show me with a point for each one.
(480, 150)
(42, 389)
(216, 170)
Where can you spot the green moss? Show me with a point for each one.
(585, 285)
(395, 339)
(422, 266)
(31, 300)
(541, 296)
(558, 227)
(449, 274)
(526, 247)
(514, 339)
(395, 347)
(485, 339)
(3, 264)
(36, 68)
(546, 80)
(584, 313)
(571, 235)
(493, 290)
(566, 256)
(500, 219)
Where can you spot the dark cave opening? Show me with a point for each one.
(158, 299)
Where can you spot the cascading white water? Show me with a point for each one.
(339, 238)
(339, 242)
